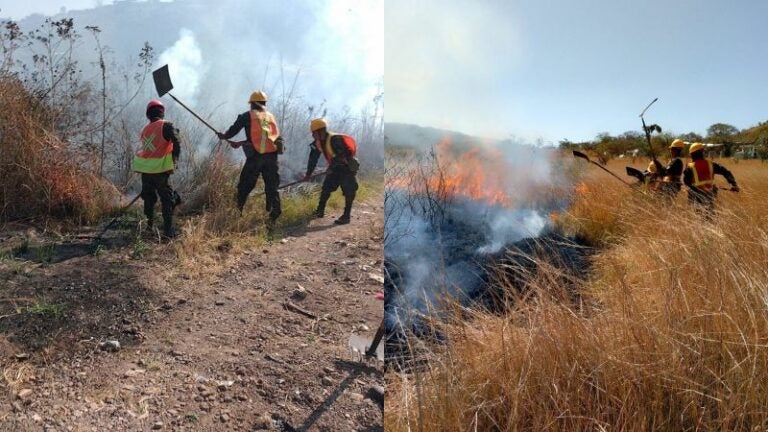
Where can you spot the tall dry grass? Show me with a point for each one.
(671, 333)
(42, 177)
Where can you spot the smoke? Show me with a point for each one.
(498, 193)
(185, 59)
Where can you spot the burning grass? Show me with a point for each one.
(671, 332)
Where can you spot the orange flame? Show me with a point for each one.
(478, 173)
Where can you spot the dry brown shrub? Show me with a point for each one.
(42, 177)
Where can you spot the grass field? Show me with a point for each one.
(670, 333)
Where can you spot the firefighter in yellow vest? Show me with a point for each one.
(339, 151)
(263, 144)
(699, 176)
(156, 160)
(672, 173)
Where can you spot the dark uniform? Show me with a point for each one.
(256, 164)
(342, 172)
(670, 175)
(699, 176)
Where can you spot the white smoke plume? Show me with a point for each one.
(185, 59)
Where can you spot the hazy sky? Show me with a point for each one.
(572, 69)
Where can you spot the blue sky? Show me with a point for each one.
(560, 69)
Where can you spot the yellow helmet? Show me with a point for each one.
(318, 123)
(678, 143)
(257, 96)
(652, 168)
(696, 147)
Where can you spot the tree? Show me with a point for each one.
(721, 130)
(691, 137)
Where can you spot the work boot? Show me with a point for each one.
(176, 199)
(343, 220)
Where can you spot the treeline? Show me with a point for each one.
(753, 140)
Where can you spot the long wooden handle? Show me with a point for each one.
(198, 117)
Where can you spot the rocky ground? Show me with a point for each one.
(127, 338)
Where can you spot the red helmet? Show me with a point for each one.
(155, 103)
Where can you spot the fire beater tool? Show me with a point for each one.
(581, 155)
(119, 215)
(649, 129)
(293, 183)
(636, 173)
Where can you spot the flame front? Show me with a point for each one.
(479, 174)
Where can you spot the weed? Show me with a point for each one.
(46, 252)
(44, 309)
(139, 248)
(22, 248)
(99, 250)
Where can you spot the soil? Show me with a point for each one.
(222, 346)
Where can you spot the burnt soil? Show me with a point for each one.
(203, 347)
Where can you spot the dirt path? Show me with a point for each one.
(199, 350)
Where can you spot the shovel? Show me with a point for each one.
(581, 155)
(163, 85)
(368, 347)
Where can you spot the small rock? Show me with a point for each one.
(157, 425)
(327, 381)
(263, 422)
(363, 328)
(22, 356)
(300, 293)
(24, 395)
(225, 417)
(357, 397)
(223, 385)
(375, 277)
(283, 241)
(329, 369)
(133, 372)
(219, 303)
(110, 345)
(36, 417)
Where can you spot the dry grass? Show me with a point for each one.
(672, 335)
(42, 176)
(220, 229)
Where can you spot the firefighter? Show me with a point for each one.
(699, 176)
(671, 174)
(339, 151)
(263, 144)
(156, 160)
(651, 178)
